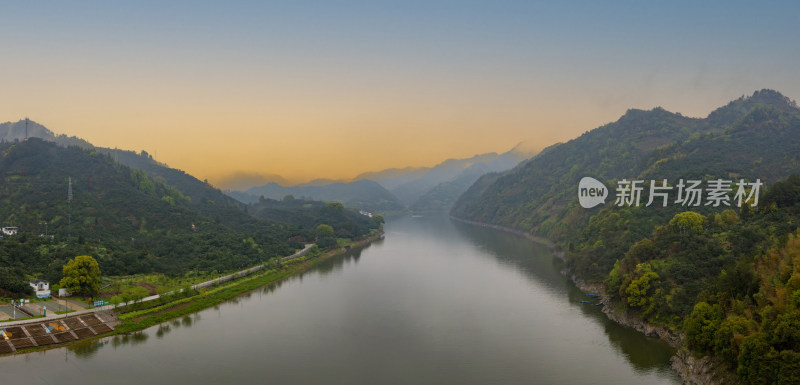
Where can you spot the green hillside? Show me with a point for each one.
(753, 137)
(202, 197)
(129, 222)
(307, 215)
(726, 277)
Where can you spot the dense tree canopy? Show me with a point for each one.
(81, 276)
(148, 219)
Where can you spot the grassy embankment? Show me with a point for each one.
(134, 318)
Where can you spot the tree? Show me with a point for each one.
(756, 360)
(639, 288)
(701, 325)
(377, 218)
(82, 276)
(687, 222)
(324, 230)
(12, 282)
(336, 206)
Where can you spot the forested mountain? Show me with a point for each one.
(202, 196)
(725, 276)
(20, 130)
(68, 201)
(363, 194)
(739, 139)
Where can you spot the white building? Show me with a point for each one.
(10, 230)
(42, 288)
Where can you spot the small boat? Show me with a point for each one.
(585, 301)
(598, 304)
(592, 294)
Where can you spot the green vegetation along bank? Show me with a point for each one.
(141, 315)
(724, 281)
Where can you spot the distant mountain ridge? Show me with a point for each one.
(421, 189)
(364, 194)
(444, 194)
(538, 194)
(26, 128)
(414, 187)
(393, 190)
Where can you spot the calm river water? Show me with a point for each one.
(436, 302)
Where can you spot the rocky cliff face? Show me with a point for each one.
(633, 320)
(701, 371)
(693, 370)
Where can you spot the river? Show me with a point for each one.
(435, 302)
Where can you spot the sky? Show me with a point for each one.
(330, 89)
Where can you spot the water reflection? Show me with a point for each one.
(534, 259)
(539, 264)
(435, 303)
(135, 338)
(333, 265)
(162, 330)
(86, 348)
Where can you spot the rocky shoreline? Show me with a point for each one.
(622, 317)
(692, 370)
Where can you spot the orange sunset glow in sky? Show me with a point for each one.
(331, 89)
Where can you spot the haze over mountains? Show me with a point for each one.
(393, 190)
(422, 189)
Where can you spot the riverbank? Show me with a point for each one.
(133, 318)
(692, 370)
(142, 319)
(557, 251)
